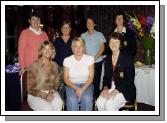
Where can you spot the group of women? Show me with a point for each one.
(68, 70)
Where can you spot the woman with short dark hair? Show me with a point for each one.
(118, 81)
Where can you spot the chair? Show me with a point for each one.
(24, 93)
(129, 106)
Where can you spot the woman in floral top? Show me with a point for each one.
(42, 81)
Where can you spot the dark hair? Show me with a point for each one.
(117, 36)
(91, 18)
(35, 13)
(66, 22)
(118, 14)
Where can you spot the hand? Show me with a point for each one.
(50, 96)
(95, 58)
(21, 71)
(113, 94)
(105, 93)
(79, 92)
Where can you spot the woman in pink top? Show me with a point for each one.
(29, 41)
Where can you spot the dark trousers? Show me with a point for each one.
(97, 77)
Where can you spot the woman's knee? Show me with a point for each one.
(87, 97)
(100, 101)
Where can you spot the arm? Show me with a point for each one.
(21, 51)
(55, 79)
(66, 78)
(32, 84)
(107, 78)
(90, 79)
(101, 50)
(80, 91)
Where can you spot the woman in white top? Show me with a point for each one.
(78, 72)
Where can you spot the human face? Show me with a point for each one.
(90, 24)
(119, 20)
(35, 22)
(65, 29)
(47, 51)
(78, 48)
(114, 45)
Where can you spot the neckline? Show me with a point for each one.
(80, 59)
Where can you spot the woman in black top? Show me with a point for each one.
(130, 45)
(63, 48)
(118, 81)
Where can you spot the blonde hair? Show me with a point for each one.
(43, 45)
(78, 39)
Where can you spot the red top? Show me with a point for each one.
(29, 44)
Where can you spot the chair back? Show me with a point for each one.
(23, 86)
(24, 93)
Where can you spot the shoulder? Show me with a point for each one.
(25, 31)
(54, 63)
(57, 40)
(128, 31)
(33, 66)
(128, 57)
(83, 34)
(100, 36)
(88, 59)
(68, 59)
(107, 59)
(43, 32)
(71, 38)
(98, 33)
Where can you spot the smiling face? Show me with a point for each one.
(78, 48)
(47, 51)
(114, 45)
(65, 29)
(90, 24)
(119, 20)
(35, 22)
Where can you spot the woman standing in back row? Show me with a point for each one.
(130, 45)
(29, 42)
(62, 45)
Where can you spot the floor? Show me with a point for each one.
(145, 107)
(140, 107)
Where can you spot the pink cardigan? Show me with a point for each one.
(29, 43)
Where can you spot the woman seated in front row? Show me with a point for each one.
(78, 76)
(118, 81)
(42, 81)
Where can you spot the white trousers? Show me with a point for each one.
(111, 104)
(39, 104)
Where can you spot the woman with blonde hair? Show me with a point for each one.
(43, 81)
(78, 72)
